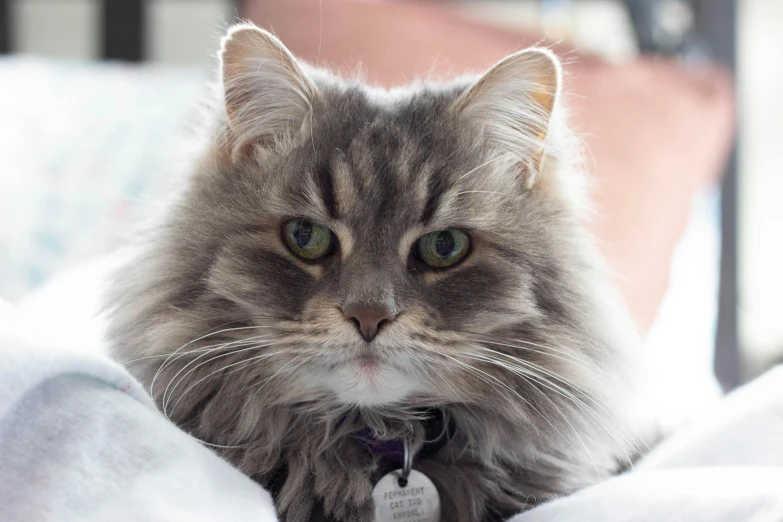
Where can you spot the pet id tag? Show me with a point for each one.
(406, 495)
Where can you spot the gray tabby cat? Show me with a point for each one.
(349, 267)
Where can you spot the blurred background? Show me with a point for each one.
(677, 101)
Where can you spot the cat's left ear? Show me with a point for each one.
(513, 104)
(267, 94)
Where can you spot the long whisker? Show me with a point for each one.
(201, 349)
(457, 395)
(560, 412)
(245, 362)
(210, 334)
(545, 350)
(537, 368)
(278, 372)
(254, 345)
(480, 373)
(631, 436)
(218, 347)
(533, 366)
(583, 406)
(238, 446)
(266, 381)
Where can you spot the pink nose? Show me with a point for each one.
(368, 318)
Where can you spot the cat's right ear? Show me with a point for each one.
(267, 94)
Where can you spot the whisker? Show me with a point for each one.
(478, 372)
(632, 437)
(546, 351)
(210, 334)
(565, 418)
(205, 443)
(254, 346)
(583, 406)
(457, 395)
(183, 354)
(247, 362)
(213, 348)
(266, 381)
(534, 366)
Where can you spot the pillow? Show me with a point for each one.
(656, 130)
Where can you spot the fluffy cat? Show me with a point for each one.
(349, 266)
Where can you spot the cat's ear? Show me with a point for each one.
(513, 104)
(267, 94)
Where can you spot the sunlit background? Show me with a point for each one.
(96, 97)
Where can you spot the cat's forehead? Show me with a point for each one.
(413, 123)
(403, 159)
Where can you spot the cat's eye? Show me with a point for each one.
(308, 240)
(443, 248)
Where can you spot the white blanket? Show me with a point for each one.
(80, 440)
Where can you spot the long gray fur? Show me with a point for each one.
(523, 346)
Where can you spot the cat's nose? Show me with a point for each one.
(368, 318)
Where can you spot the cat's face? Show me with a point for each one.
(384, 238)
(378, 248)
(345, 246)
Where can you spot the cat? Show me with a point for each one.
(349, 267)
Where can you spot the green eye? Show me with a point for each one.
(443, 248)
(307, 239)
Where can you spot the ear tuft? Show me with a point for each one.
(513, 103)
(267, 94)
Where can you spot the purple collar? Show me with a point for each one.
(394, 450)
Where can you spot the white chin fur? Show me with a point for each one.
(381, 386)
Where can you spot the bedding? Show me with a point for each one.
(84, 148)
(81, 440)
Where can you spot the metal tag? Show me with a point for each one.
(413, 500)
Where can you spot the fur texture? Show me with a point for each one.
(522, 346)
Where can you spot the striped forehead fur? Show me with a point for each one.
(523, 346)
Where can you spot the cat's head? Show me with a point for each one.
(346, 246)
